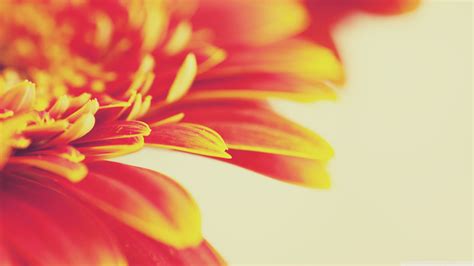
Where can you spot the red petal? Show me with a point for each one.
(42, 226)
(20, 98)
(295, 57)
(325, 14)
(144, 200)
(298, 171)
(110, 148)
(250, 22)
(262, 140)
(47, 164)
(188, 137)
(141, 250)
(115, 130)
(261, 86)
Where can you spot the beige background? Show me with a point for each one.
(402, 172)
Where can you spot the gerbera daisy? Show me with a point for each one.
(195, 73)
(205, 77)
(59, 207)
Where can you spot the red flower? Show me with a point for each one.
(111, 76)
(59, 207)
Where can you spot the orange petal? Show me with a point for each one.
(184, 78)
(90, 107)
(59, 107)
(66, 152)
(188, 64)
(45, 131)
(261, 86)
(8, 129)
(78, 129)
(325, 15)
(171, 119)
(42, 226)
(143, 199)
(388, 6)
(188, 137)
(261, 140)
(115, 130)
(20, 98)
(179, 38)
(296, 57)
(141, 250)
(104, 149)
(250, 22)
(111, 112)
(298, 171)
(54, 164)
(246, 125)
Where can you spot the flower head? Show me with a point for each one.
(50, 176)
(86, 80)
(168, 61)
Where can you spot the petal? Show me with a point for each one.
(175, 74)
(327, 14)
(144, 200)
(42, 226)
(296, 57)
(65, 152)
(109, 148)
(250, 22)
(8, 129)
(261, 86)
(45, 131)
(90, 107)
(79, 128)
(188, 137)
(298, 171)
(184, 78)
(261, 140)
(111, 112)
(53, 164)
(388, 6)
(251, 126)
(20, 98)
(144, 251)
(115, 130)
(59, 107)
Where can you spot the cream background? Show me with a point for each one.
(402, 183)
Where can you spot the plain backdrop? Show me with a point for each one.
(402, 177)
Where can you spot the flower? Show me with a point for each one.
(108, 77)
(60, 201)
(207, 78)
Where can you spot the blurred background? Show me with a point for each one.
(402, 177)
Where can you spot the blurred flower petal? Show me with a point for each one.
(19, 98)
(250, 22)
(47, 227)
(143, 199)
(296, 57)
(261, 86)
(57, 165)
